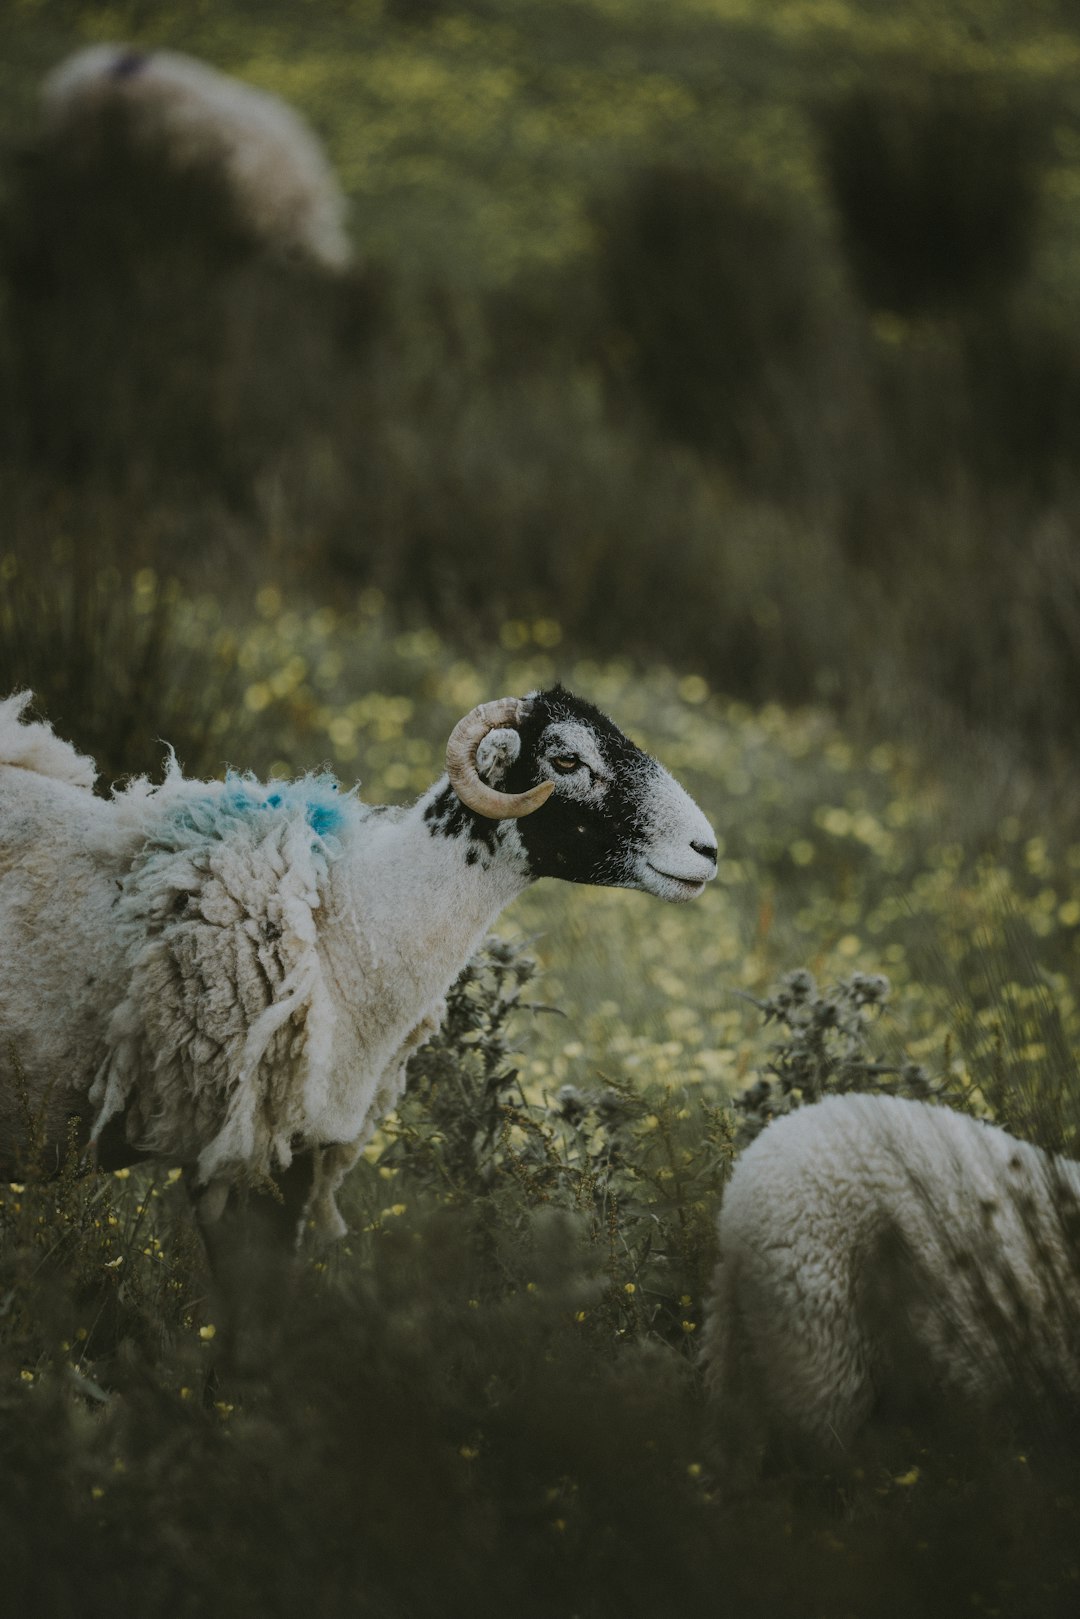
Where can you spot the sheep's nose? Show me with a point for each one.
(706, 850)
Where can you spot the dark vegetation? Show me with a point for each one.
(487, 1400)
(813, 442)
(936, 181)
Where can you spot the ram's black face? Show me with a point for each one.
(616, 817)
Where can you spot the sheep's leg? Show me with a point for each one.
(809, 1354)
(251, 1238)
(323, 1220)
(251, 1235)
(788, 1365)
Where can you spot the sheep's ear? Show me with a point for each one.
(496, 754)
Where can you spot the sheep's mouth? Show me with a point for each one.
(686, 887)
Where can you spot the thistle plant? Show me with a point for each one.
(824, 1048)
(631, 1175)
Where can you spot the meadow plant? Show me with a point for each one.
(628, 1176)
(824, 1049)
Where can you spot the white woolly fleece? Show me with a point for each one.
(282, 184)
(867, 1225)
(30, 746)
(225, 1024)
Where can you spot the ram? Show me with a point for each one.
(875, 1247)
(231, 975)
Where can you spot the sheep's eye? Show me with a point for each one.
(565, 763)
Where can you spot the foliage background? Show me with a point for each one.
(719, 359)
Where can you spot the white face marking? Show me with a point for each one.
(567, 740)
(669, 865)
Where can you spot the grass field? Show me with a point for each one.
(487, 1398)
(828, 576)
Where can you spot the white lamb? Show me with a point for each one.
(282, 186)
(871, 1246)
(231, 975)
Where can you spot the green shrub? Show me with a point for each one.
(628, 1181)
(936, 182)
(723, 310)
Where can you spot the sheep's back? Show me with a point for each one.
(877, 1229)
(281, 181)
(850, 1166)
(218, 1044)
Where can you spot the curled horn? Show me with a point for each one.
(475, 794)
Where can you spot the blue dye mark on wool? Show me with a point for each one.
(319, 798)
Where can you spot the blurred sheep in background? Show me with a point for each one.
(280, 182)
(181, 291)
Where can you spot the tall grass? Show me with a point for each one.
(488, 1398)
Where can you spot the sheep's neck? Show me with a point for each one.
(416, 894)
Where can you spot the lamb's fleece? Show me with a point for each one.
(203, 953)
(869, 1243)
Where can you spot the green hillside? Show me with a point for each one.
(471, 138)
